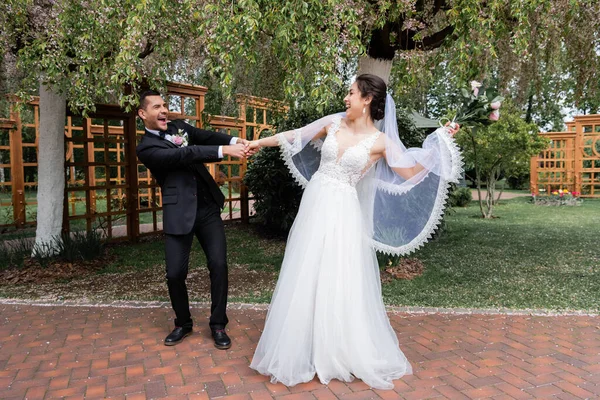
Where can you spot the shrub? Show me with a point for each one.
(460, 197)
(14, 253)
(83, 245)
(518, 182)
(77, 246)
(276, 194)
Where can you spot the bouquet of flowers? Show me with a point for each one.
(479, 107)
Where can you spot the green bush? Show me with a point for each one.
(518, 182)
(460, 197)
(276, 194)
(82, 245)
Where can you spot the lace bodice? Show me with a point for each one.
(349, 167)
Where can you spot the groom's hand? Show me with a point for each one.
(237, 150)
(250, 150)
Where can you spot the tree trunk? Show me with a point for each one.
(501, 189)
(376, 66)
(477, 172)
(51, 173)
(489, 201)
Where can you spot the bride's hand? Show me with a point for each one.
(453, 127)
(252, 147)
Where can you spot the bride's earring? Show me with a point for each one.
(364, 110)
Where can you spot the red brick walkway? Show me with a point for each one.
(110, 352)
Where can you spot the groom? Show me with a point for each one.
(174, 152)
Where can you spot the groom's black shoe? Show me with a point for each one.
(222, 341)
(177, 336)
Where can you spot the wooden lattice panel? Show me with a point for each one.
(229, 173)
(572, 161)
(555, 166)
(104, 180)
(590, 159)
(18, 165)
(97, 191)
(258, 113)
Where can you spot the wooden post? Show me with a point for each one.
(578, 156)
(244, 200)
(533, 175)
(107, 182)
(16, 169)
(570, 164)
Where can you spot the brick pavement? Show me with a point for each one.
(117, 352)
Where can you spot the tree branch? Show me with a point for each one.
(437, 39)
(149, 49)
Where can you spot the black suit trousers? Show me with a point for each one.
(209, 230)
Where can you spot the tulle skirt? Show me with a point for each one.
(327, 316)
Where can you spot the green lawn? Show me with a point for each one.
(529, 257)
(244, 246)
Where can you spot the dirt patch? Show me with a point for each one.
(83, 282)
(34, 273)
(86, 281)
(407, 268)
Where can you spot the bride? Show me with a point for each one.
(364, 191)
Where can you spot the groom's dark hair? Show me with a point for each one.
(145, 94)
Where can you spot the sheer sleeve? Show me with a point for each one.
(301, 150)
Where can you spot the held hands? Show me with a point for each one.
(242, 149)
(253, 147)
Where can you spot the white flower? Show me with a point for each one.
(475, 87)
(181, 138)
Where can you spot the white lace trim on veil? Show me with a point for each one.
(286, 153)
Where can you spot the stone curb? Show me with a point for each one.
(264, 307)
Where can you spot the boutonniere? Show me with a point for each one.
(180, 138)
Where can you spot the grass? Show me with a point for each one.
(244, 247)
(529, 257)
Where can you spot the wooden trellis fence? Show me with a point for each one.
(572, 161)
(105, 184)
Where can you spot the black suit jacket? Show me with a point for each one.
(177, 170)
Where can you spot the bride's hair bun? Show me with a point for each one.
(372, 85)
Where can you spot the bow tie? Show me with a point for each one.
(162, 134)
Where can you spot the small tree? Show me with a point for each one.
(501, 149)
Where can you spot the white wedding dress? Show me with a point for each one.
(327, 316)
